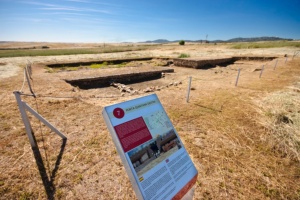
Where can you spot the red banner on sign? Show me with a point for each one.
(133, 133)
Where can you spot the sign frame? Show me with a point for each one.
(154, 157)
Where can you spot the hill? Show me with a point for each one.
(238, 39)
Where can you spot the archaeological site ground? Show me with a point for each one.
(242, 132)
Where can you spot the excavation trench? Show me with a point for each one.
(203, 63)
(100, 78)
(125, 78)
(107, 61)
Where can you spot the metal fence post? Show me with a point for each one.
(28, 81)
(276, 64)
(238, 76)
(189, 89)
(25, 119)
(262, 70)
(23, 107)
(44, 121)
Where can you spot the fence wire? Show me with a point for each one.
(28, 72)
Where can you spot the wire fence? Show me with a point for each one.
(28, 78)
(262, 70)
(30, 82)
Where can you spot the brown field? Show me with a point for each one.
(244, 140)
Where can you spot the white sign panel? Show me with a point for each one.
(154, 157)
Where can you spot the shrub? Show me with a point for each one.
(181, 42)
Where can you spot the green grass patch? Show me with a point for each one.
(63, 68)
(97, 66)
(107, 65)
(92, 66)
(55, 52)
(183, 55)
(271, 44)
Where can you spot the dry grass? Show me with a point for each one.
(227, 148)
(236, 136)
(281, 115)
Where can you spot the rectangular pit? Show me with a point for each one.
(85, 63)
(124, 78)
(204, 63)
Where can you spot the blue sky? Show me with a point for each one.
(141, 20)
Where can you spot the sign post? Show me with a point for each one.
(151, 150)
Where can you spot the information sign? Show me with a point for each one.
(154, 157)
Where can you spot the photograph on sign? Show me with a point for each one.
(153, 155)
(148, 155)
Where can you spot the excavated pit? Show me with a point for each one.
(82, 74)
(208, 63)
(122, 77)
(86, 63)
(99, 78)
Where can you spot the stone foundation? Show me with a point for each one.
(126, 78)
(210, 63)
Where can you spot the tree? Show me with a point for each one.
(181, 42)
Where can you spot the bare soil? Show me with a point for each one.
(221, 127)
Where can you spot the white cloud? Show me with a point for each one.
(47, 6)
(33, 20)
(66, 13)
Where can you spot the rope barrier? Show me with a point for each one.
(30, 95)
(24, 80)
(42, 134)
(27, 74)
(77, 97)
(107, 96)
(199, 79)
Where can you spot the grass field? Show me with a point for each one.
(69, 51)
(271, 44)
(21, 52)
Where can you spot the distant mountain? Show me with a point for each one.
(256, 39)
(158, 41)
(239, 39)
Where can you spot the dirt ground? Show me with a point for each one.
(222, 127)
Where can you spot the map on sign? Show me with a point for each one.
(153, 155)
(158, 120)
